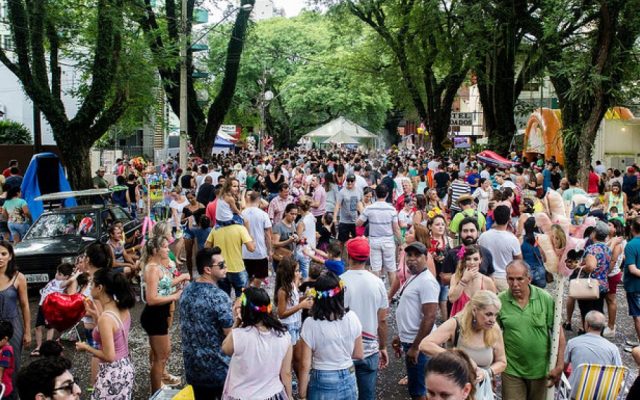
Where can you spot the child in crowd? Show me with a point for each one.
(405, 216)
(7, 361)
(613, 214)
(325, 230)
(314, 273)
(289, 306)
(332, 260)
(64, 277)
(200, 233)
(51, 348)
(228, 208)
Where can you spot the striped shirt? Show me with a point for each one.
(381, 216)
(458, 188)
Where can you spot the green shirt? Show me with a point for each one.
(100, 182)
(527, 333)
(469, 212)
(251, 180)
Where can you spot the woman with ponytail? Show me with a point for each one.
(260, 350)
(450, 375)
(115, 374)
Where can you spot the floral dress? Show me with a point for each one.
(602, 254)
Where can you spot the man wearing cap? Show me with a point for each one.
(98, 181)
(416, 316)
(347, 210)
(458, 188)
(466, 204)
(367, 297)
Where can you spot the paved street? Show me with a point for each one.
(388, 388)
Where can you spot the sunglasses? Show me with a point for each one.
(220, 265)
(68, 387)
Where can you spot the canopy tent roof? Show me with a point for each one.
(220, 142)
(341, 138)
(343, 126)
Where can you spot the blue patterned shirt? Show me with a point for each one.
(602, 254)
(204, 311)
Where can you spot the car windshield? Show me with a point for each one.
(75, 224)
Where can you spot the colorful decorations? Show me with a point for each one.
(247, 303)
(433, 212)
(138, 163)
(312, 292)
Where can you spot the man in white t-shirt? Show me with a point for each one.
(361, 182)
(367, 297)
(214, 173)
(416, 316)
(257, 262)
(502, 244)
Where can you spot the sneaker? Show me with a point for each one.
(628, 349)
(609, 333)
(631, 343)
(171, 380)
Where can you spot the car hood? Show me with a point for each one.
(58, 245)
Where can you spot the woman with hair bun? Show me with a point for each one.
(450, 376)
(261, 351)
(331, 340)
(115, 374)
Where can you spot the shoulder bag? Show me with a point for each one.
(584, 288)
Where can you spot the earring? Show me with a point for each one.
(474, 321)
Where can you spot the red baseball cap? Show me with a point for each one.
(358, 248)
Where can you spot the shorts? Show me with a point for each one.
(614, 281)
(155, 319)
(40, 321)
(383, 254)
(257, 268)
(633, 300)
(444, 293)
(346, 231)
(294, 332)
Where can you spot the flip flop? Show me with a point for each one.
(35, 353)
(404, 381)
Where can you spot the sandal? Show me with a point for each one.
(404, 381)
(35, 353)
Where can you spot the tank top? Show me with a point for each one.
(310, 229)
(120, 338)
(462, 301)
(615, 201)
(223, 210)
(483, 356)
(295, 318)
(118, 251)
(616, 267)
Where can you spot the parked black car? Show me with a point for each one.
(63, 234)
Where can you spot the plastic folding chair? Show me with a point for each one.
(599, 382)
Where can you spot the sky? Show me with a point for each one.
(291, 7)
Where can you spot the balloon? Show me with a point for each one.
(550, 255)
(62, 311)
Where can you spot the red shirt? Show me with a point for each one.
(6, 172)
(210, 212)
(593, 182)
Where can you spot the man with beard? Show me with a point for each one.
(415, 317)
(468, 235)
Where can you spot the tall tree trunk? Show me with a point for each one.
(76, 156)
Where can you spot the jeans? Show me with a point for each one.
(237, 280)
(332, 385)
(18, 229)
(366, 375)
(303, 263)
(416, 373)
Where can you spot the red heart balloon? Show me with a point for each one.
(62, 311)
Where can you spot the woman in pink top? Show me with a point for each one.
(467, 280)
(115, 375)
(260, 350)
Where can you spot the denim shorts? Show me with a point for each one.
(444, 293)
(333, 385)
(294, 332)
(19, 229)
(633, 299)
(235, 280)
(416, 373)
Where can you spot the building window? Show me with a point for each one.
(4, 10)
(7, 42)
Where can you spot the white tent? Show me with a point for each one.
(342, 131)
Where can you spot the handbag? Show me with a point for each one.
(280, 253)
(584, 288)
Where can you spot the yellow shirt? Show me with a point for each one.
(230, 240)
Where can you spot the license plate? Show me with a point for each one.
(37, 278)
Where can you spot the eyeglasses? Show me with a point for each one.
(220, 265)
(68, 387)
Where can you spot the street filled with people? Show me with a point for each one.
(301, 274)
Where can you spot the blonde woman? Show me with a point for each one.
(475, 332)
(468, 280)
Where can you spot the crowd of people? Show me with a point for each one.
(284, 270)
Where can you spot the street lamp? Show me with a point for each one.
(265, 98)
(184, 124)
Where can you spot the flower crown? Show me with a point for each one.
(433, 212)
(312, 292)
(461, 252)
(245, 303)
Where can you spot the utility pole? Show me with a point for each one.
(184, 124)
